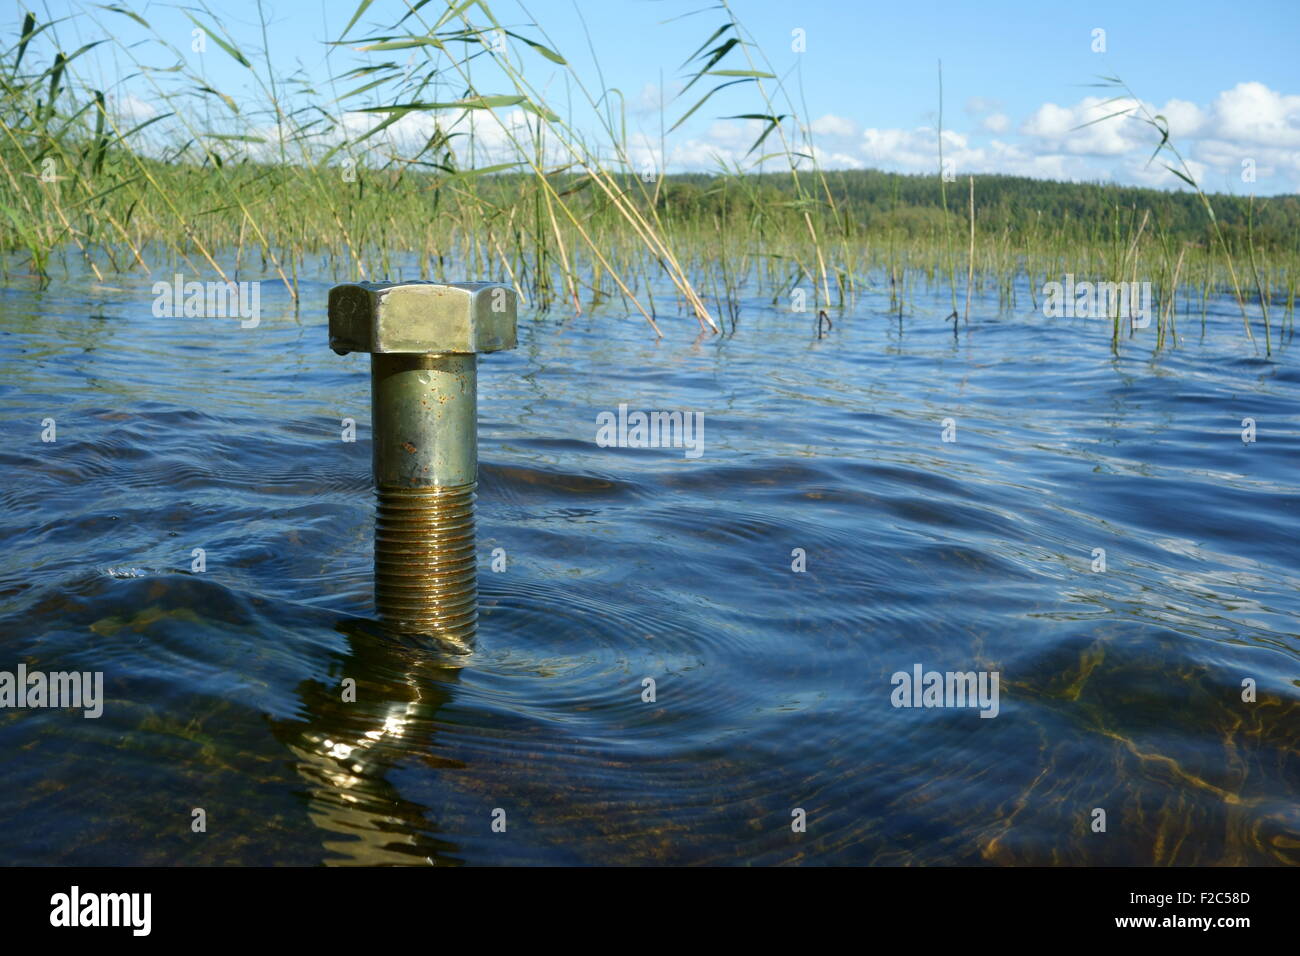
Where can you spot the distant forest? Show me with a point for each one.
(912, 204)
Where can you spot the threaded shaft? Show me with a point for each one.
(426, 568)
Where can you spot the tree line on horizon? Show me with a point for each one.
(912, 204)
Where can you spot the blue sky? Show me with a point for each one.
(1227, 76)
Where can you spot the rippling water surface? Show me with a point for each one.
(1120, 690)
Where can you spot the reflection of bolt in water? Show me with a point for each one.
(346, 750)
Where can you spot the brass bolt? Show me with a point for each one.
(423, 339)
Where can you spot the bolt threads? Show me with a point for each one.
(425, 565)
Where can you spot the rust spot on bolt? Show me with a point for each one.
(408, 447)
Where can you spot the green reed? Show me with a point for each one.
(566, 215)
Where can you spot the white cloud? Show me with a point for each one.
(1185, 119)
(131, 109)
(996, 123)
(646, 104)
(1248, 121)
(978, 105)
(1084, 129)
(1272, 164)
(1251, 113)
(912, 149)
(836, 159)
(831, 125)
(732, 133)
(493, 133)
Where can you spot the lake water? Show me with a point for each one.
(1119, 690)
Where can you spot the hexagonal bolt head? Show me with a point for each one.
(422, 317)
